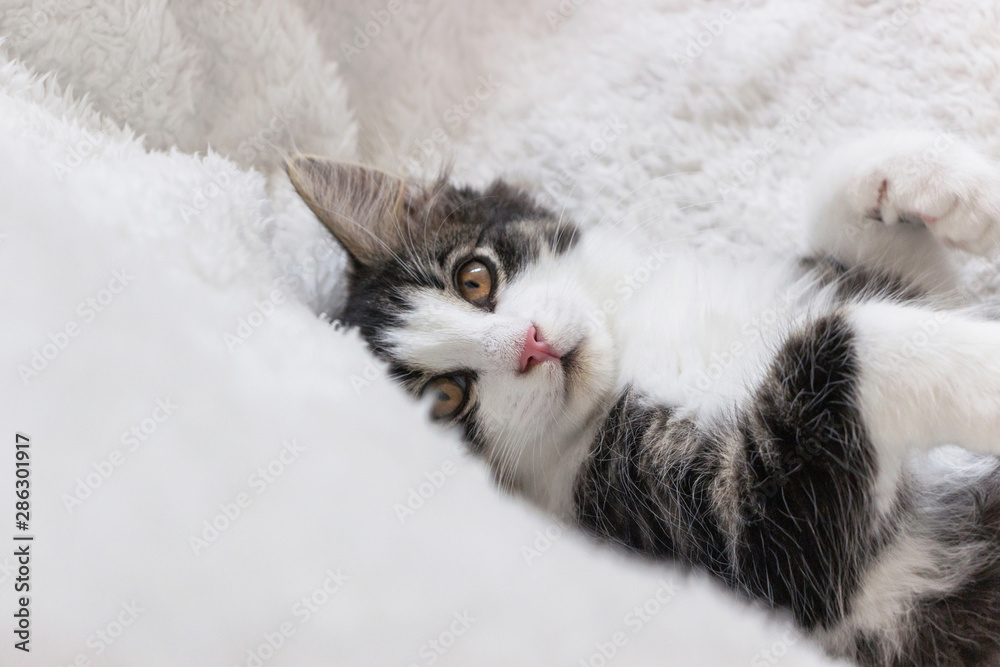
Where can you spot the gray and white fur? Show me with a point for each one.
(756, 422)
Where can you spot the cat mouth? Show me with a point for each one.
(536, 351)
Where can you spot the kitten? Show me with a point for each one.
(750, 421)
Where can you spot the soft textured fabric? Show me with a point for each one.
(232, 476)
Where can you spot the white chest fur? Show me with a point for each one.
(694, 331)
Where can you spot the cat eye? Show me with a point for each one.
(448, 394)
(474, 280)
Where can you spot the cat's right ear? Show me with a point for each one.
(362, 206)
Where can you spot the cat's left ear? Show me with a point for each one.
(363, 206)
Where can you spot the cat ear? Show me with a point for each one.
(362, 206)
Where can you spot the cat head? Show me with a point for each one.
(478, 300)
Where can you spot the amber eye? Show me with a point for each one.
(448, 394)
(475, 282)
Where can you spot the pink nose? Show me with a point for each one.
(536, 350)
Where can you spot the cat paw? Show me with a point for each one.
(935, 181)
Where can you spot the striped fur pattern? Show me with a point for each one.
(817, 434)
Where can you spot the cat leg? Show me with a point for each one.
(926, 378)
(895, 201)
(788, 498)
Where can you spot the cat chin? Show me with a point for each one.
(552, 399)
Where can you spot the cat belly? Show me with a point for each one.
(703, 331)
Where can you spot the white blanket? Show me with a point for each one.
(220, 477)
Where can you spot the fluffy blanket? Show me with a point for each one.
(219, 476)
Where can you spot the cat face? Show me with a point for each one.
(479, 301)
